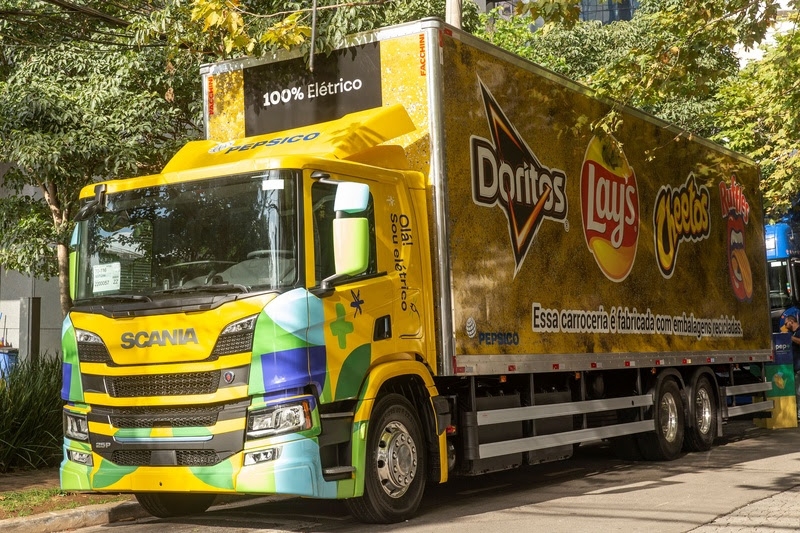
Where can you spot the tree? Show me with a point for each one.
(97, 90)
(675, 60)
(228, 28)
(74, 111)
(598, 56)
(760, 116)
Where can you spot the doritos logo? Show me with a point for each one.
(506, 173)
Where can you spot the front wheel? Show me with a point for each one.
(396, 464)
(170, 504)
(666, 442)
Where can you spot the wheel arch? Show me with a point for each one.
(413, 380)
(652, 385)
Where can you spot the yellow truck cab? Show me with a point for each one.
(231, 307)
(417, 261)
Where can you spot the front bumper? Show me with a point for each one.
(296, 471)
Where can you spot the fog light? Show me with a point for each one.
(262, 456)
(80, 457)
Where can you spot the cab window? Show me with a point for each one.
(322, 201)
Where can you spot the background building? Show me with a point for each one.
(603, 10)
(15, 288)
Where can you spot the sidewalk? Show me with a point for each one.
(77, 517)
(779, 512)
(775, 513)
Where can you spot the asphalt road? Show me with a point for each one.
(593, 491)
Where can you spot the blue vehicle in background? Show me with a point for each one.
(783, 266)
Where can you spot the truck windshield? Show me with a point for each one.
(779, 287)
(235, 233)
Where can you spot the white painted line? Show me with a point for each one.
(484, 489)
(563, 472)
(640, 484)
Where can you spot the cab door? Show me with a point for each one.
(357, 309)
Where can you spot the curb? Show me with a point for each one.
(88, 515)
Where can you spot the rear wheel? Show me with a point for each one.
(666, 442)
(396, 464)
(700, 436)
(169, 504)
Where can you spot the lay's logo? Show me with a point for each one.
(610, 207)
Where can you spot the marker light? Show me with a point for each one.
(240, 326)
(88, 337)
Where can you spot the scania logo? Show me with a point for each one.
(145, 339)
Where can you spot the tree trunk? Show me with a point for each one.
(62, 251)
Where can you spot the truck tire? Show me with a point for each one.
(395, 466)
(170, 504)
(666, 443)
(700, 436)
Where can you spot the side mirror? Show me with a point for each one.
(73, 261)
(350, 245)
(351, 197)
(350, 235)
(93, 206)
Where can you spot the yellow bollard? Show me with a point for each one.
(781, 373)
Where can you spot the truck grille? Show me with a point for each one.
(131, 457)
(196, 457)
(163, 384)
(183, 457)
(152, 417)
(235, 343)
(89, 352)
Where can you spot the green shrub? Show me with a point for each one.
(30, 415)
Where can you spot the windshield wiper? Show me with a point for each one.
(122, 297)
(219, 287)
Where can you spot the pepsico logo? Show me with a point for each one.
(610, 207)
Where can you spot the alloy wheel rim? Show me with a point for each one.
(669, 417)
(396, 459)
(702, 409)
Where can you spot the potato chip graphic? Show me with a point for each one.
(610, 207)
(738, 265)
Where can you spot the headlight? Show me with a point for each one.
(284, 418)
(76, 427)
